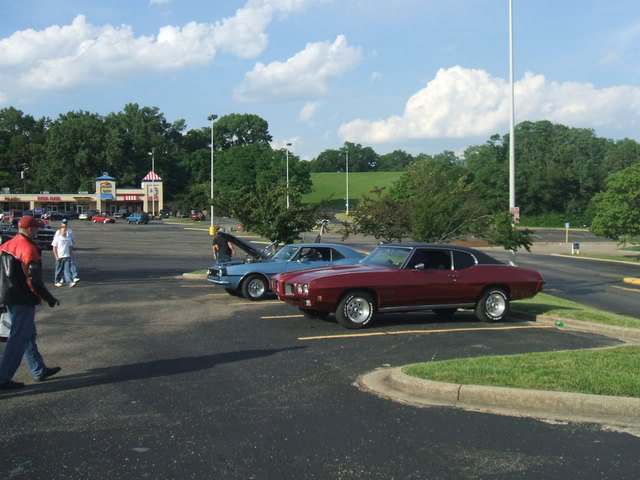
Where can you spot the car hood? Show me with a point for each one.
(244, 246)
(336, 271)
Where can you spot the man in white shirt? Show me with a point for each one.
(63, 252)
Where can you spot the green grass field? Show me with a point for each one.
(333, 185)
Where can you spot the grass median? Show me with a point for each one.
(611, 371)
(543, 304)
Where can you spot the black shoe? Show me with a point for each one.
(11, 385)
(49, 372)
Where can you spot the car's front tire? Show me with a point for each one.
(255, 287)
(356, 309)
(493, 305)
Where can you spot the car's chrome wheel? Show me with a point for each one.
(356, 309)
(493, 305)
(255, 287)
(496, 305)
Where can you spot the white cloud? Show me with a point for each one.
(282, 143)
(60, 57)
(376, 76)
(461, 102)
(158, 2)
(308, 111)
(305, 75)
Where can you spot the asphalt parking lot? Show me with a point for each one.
(171, 378)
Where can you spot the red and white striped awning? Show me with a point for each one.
(152, 177)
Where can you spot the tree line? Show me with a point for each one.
(559, 170)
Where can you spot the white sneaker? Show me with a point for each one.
(76, 280)
(73, 284)
(58, 284)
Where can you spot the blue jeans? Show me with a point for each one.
(63, 270)
(72, 268)
(21, 342)
(222, 258)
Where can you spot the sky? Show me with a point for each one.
(418, 75)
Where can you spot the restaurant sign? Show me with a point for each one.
(48, 199)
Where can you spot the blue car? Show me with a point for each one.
(138, 218)
(251, 277)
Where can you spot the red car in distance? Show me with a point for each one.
(102, 218)
(409, 277)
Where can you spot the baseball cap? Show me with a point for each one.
(65, 221)
(29, 221)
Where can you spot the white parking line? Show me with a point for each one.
(283, 316)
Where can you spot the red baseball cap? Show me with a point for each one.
(28, 221)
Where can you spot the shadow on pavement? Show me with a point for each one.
(140, 371)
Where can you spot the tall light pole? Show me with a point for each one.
(287, 153)
(512, 161)
(347, 170)
(212, 229)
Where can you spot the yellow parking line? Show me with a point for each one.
(405, 332)
(283, 316)
(637, 290)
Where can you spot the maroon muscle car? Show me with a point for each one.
(409, 277)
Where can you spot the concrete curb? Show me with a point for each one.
(392, 383)
(631, 280)
(627, 335)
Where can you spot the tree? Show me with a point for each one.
(498, 229)
(394, 161)
(263, 210)
(22, 143)
(380, 216)
(238, 130)
(617, 208)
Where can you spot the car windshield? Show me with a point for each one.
(285, 253)
(387, 256)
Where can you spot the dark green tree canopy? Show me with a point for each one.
(239, 130)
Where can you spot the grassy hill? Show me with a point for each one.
(333, 186)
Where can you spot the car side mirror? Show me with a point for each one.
(419, 266)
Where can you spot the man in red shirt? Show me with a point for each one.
(26, 290)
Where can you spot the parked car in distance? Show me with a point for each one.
(197, 216)
(53, 216)
(164, 213)
(72, 214)
(103, 218)
(122, 214)
(250, 278)
(138, 218)
(87, 214)
(10, 215)
(410, 277)
(43, 239)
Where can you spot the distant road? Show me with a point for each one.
(559, 235)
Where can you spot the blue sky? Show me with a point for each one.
(419, 75)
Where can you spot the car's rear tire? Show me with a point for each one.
(445, 313)
(493, 305)
(356, 309)
(255, 287)
(314, 314)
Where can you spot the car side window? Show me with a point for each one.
(309, 254)
(336, 255)
(431, 259)
(462, 260)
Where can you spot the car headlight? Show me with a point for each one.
(302, 289)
